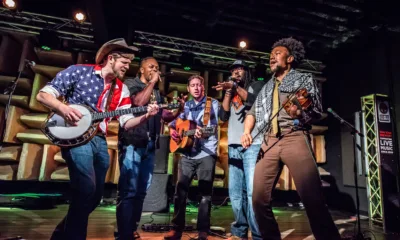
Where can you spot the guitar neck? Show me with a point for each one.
(207, 130)
(142, 109)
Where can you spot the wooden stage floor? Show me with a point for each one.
(39, 224)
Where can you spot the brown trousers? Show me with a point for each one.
(292, 150)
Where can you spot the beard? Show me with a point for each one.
(278, 69)
(117, 73)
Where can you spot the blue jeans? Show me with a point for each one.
(136, 172)
(87, 165)
(241, 173)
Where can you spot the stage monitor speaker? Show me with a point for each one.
(161, 155)
(157, 196)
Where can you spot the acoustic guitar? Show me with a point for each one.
(186, 130)
(60, 133)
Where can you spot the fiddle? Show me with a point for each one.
(302, 100)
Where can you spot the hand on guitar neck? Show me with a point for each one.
(178, 138)
(184, 132)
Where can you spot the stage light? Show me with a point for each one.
(10, 4)
(242, 44)
(79, 16)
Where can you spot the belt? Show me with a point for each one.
(100, 133)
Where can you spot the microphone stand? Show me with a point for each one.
(10, 91)
(354, 131)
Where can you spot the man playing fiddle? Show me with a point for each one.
(286, 141)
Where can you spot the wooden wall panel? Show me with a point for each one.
(16, 100)
(24, 85)
(8, 171)
(114, 169)
(284, 179)
(319, 148)
(28, 53)
(48, 71)
(14, 125)
(38, 83)
(33, 120)
(60, 174)
(33, 136)
(30, 162)
(10, 153)
(56, 58)
(10, 50)
(48, 165)
(109, 175)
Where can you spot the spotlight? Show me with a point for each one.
(10, 4)
(242, 44)
(187, 60)
(79, 16)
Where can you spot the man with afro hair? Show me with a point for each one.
(286, 141)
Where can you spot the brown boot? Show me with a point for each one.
(173, 235)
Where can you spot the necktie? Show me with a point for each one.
(275, 108)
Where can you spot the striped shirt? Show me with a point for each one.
(83, 84)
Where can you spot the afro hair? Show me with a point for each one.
(295, 47)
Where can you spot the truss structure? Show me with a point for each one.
(33, 23)
(164, 46)
(372, 158)
(208, 53)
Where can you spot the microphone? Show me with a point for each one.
(30, 63)
(335, 115)
(166, 74)
(230, 78)
(342, 121)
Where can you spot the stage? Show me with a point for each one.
(38, 224)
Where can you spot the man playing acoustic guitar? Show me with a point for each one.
(199, 159)
(100, 88)
(286, 143)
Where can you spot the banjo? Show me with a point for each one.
(62, 134)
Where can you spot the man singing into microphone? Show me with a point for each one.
(284, 145)
(137, 149)
(240, 94)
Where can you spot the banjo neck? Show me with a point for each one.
(101, 115)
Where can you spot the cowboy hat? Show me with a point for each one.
(117, 44)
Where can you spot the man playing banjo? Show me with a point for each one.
(100, 88)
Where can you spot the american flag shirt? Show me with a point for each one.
(83, 84)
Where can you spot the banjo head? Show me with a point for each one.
(59, 128)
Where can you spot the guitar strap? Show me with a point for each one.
(110, 95)
(109, 98)
(207, 109)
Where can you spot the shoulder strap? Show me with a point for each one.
(207, 109)
(110, 95)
